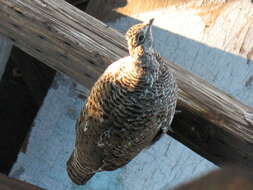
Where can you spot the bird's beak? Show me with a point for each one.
(149, 22)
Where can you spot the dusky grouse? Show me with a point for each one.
(130, 105)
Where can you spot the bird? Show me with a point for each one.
(129, 107)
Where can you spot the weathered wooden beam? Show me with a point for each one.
(132, 8)
(228, 178)
(5, 49)
(62, 36)
(218, 126)
(7, 183)
(77, 2)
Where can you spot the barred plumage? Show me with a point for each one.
(128, 107)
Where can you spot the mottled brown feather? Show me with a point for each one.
(129, 105)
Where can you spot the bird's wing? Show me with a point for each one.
(95, 121)
(169, 82)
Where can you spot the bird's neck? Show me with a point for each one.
(144, 58)
(144, 68)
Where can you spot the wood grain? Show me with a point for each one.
(5, 49)
(211, 123)
(214, 20)
(114, 9)
(7, 183)
(228, 178)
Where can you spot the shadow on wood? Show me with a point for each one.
(228, 178)
(22, 89)
(7, 183)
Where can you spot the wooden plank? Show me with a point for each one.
(89, 53)
(5, 49)
(7, 183)
(113, 9)
(228, 178)
(81, 4)
(213, 20)
(23, 87)
(79, 45)
(36, 75)
(77, 2)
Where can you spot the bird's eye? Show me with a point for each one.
(141, 39)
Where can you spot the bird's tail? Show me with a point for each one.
(76, 172)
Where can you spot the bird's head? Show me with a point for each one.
(139, 38)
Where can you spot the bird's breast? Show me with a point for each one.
(129, 95)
